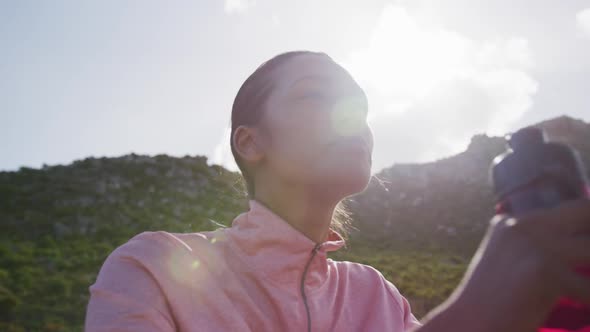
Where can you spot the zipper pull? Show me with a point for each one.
(316, 248)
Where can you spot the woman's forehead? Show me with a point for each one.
(304, 68)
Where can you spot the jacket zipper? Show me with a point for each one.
(314, 251)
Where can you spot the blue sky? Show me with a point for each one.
(107, 78)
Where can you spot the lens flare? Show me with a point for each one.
(195, 265)
(348, 117)
(218, 236)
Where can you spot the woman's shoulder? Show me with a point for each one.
(367, 276)
(372, 281)
(142, 276)
(355, 269)
(152, 246)
(362, 275)
(162, 256)
(169, 238)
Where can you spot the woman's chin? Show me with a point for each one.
(345, 179)
(358, 183)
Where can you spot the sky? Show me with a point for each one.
(106, 78)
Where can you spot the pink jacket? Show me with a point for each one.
(248, 277)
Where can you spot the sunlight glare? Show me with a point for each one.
(405, 60)
(348, 117)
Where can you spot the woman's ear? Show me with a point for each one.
(248, 144)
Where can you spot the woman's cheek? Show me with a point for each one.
(290, 153)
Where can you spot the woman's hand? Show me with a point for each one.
(521, 268)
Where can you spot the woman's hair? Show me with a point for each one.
(248, 109)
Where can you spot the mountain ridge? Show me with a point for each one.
(58, 223)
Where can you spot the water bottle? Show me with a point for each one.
(536, 174)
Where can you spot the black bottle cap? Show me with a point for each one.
(526, 138)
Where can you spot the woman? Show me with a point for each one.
(300, 137)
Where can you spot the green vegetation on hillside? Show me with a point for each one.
(418, 224)
(59, 223)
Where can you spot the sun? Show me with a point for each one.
(405, 60)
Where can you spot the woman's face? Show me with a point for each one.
(316, 124)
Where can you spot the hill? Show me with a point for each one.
(418, 223)
(446, 203)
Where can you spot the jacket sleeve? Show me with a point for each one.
(410, 321)
(126, 296)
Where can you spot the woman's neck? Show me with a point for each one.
(303, 208)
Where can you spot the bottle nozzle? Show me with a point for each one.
(526, 137)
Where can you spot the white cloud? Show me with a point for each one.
(583, 19)
(275, 19)
(222, 153)
(430, 89)
(233, 6)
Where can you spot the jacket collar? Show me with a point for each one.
(269, 245)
